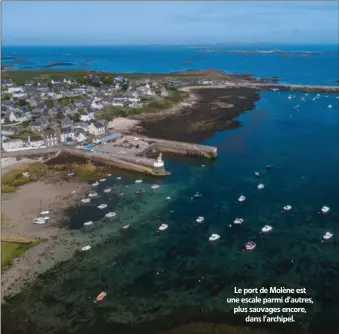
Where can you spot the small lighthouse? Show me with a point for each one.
(91, 75)
(159, 163)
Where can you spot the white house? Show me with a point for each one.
(81, 125)
(117, 103)
(17, 116)
(96, 104)
(80, 136)
(15, 89)
(36, 141)
(12, 145)
(67, 134)
(86, 116)
(19, 94)
(51, 138)
(96, 129)
(55, 82)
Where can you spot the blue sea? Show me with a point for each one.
(156, 281)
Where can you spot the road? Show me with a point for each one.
(26, 153)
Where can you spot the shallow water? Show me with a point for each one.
(154, 279)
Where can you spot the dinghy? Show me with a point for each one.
(257, 174)
(39, 221)
(269, 166)
(95, 184)
(85, 200)
(329, 106)
(118, 177)
(238, 221)
(108, 190)
(109, 175)
(70, 174)
(250, 245)
(155, 186)
(88, 223)
(260, 186)
(163, 227)
(126, 227)
(44, 213)
(102, 206)
(200, 219)
(121, 194)
(102, 180)
(92, 194)
(327, 236)
(101, 296)
(242, 198)
(138, 181)
(214, 237)
(85, 248)
(266, 228)
(110, 214)
(168, 198)
(287, 208)
(325, 209)
(196, 195)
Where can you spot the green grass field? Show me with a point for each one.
(11, 250)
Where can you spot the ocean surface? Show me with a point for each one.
(158, 280)
(314, 65)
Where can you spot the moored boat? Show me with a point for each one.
(250, 245)
(163, 227)
(214, 237)
(102, 206)
(287, 208)
(327, 236)
(200, 219)
(266, 228)
(238, 221)
(242, 198)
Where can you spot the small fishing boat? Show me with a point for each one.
(96, 183)
(121, 194)
(196, 195)
(118, 177)
(168, 197)
(163, 227)
(138, 181)
(110, 214)
(269, 166)
(101, 296)
(39, 221)
(102, 180)
(92, 194)
(46, 218)
(202, 165)
(200, 219)
(102, 206)
(257, 174)
(287, 208)
(214, 237)
(242, 198)
(126, 227)
(108, 190)
(266, 228)
(89, 223)
(325, 209)
(327, 236)
(260, 186)
(289, 97)
(85, 248)
(155, 186)
(44, 213)
(238, 221)
(329, 106)
(85, 200)
(250, 245)
(109, 175)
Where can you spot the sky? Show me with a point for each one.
(168, 22)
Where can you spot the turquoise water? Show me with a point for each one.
(314, 69)
(158, 280)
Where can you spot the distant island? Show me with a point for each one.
(270, 51)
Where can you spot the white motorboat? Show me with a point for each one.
(250, 245)
(89, 223)
(126, 227)
(46, 218)
(168, 197)
(290, 97)
(196, 195)
(257, 174)
(260, 186)
(327, 236)
(325, 209)
(266, 228)
(86, 248)
(102, 180)
(109, 175)
(138, 181)
(110, 214)
(200, 219)
(242, 198)
(39, 221)
(238, 221)
(85, 200)
(70, 174)
(329, 106)
(118, 178)
(214, 237)
(44, 213)
(92, 194)
(96, 183)
(108, 190)
(287, 208)
(155, 186)
(102, 206)
(163, 227)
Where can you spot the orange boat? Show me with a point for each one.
(101, 296)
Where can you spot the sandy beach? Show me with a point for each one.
(19, 210)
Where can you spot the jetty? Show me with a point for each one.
(137, 153)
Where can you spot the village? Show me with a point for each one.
(39, 114)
